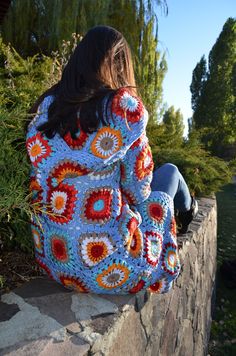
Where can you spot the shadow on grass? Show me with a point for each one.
(223, 331)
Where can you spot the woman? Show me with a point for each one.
(100, 227)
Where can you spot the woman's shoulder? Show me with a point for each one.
(126, 103)
(42, 112)
(45, 103)
(127, 111)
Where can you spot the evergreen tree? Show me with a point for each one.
(169, 132)
(213, 94)
(173, 127)
(198, 80)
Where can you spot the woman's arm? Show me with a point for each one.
(136, 171)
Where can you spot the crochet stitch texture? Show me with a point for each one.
(99, 228)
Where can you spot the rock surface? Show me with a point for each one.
(42, 317)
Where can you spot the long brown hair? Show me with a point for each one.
(100, 64)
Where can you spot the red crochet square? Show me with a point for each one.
(97, 205)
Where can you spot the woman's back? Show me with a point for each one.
(100, 228)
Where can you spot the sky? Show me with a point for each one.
(186, 34)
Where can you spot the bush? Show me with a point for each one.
(204, 173)
(21, 83)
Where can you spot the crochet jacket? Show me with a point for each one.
(96, 225)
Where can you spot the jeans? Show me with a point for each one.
(168, 179)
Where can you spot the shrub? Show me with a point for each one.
(205, 174)
(21, 83)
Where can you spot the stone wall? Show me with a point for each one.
(41, 317)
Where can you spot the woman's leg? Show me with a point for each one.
(167, 178)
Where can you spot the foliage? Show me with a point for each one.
(45, 24)
(232, 166)
(2, 281)
(22, 80)
(173, 127)
(198, 80)
(213, 94)
(203, 173)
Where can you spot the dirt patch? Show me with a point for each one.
(16, 268)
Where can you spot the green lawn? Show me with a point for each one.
(223, 332)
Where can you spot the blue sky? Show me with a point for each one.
(188, 31)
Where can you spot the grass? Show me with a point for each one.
(223, 331)
(226, 201)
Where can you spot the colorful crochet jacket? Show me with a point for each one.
(97, 226)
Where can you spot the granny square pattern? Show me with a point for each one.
(98, 226)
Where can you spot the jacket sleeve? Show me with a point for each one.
(127, 122)
(137, 171)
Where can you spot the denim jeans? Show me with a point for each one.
(168, 179)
